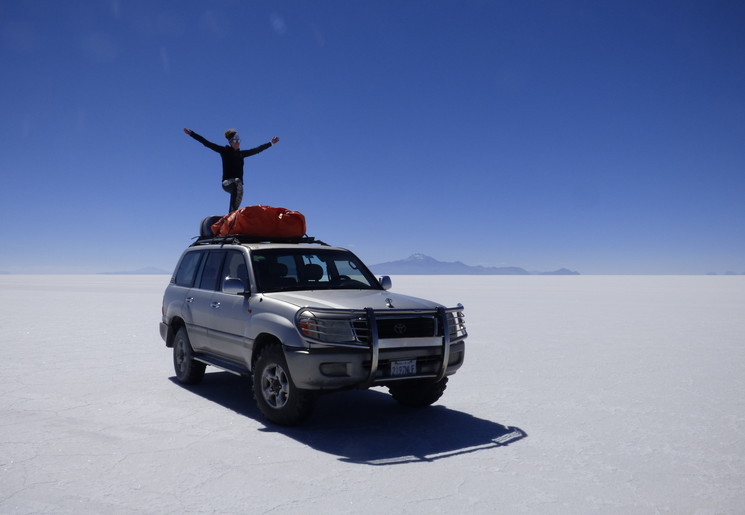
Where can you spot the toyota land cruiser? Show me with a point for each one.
(300, 317)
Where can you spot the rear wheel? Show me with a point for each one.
(188, 370)
(276, 395)
(418, 393)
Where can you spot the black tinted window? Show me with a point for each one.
(211, 271)
(188, 269)
(235, 267)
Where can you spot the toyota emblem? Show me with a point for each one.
(399, 329)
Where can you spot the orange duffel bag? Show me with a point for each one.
(262, 221)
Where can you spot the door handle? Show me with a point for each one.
(189, 299)
(215, 305)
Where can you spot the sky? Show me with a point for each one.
(603, 137)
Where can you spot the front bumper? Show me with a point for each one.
(330, 369)
(369, 358)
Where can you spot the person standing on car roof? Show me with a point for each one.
(232, 162)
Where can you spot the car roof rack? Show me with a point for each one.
(234, 239)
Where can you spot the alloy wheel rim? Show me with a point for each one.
(275, 386)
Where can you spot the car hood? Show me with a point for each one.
(352, 299)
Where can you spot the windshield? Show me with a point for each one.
(310, 269)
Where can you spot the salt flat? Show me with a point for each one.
(583, 394)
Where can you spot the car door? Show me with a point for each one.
(231, 311)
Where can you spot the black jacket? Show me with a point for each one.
(232, 160)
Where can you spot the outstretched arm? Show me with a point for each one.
(200, 139)
(260, 148)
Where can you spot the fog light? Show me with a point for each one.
(335, 369)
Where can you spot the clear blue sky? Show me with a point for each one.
(605, 137)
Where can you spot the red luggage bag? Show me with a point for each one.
(262, 221)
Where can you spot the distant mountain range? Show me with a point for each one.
(419, 264)
(148, 270)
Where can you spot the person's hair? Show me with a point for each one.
(230, 133)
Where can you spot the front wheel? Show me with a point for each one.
(188, 370)
(418, 393)
(276, 395)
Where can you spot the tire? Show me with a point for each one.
(278, 398)
(188, 370)
(205, 227)
(418, 393)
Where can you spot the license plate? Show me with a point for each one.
(405, 367)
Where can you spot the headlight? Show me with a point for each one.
(332, 330)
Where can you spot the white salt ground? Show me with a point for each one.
(584, 394)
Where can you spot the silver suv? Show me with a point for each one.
(301, 318)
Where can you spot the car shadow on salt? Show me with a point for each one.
(369, 426)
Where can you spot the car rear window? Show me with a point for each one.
(187, 269)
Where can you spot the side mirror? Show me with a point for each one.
(233, 286)
(385, 282)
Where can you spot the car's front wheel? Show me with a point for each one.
(276, 395)
(188, 370)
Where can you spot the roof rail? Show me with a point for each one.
(233, 239)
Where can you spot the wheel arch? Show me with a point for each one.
(173, 327)
(262, 341)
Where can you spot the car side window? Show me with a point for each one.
(211, 271)
(187, 269)
(235, 267)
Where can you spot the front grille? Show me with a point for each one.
(361, 330)
(419, 327)
(346, 328)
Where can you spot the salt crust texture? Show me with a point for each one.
(588, 394)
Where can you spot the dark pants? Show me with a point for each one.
(235, 188)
